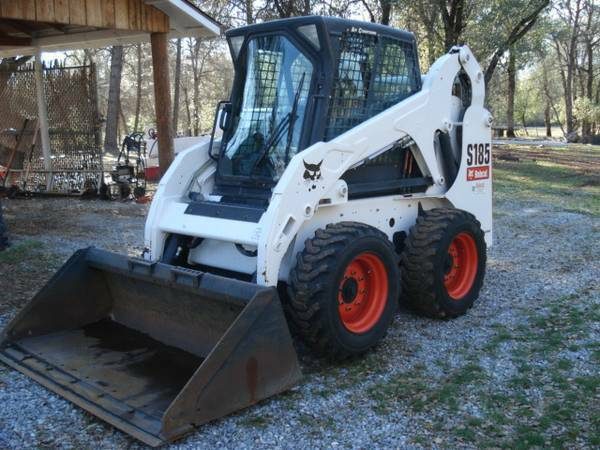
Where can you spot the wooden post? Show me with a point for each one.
(162, 100)
(43, 117)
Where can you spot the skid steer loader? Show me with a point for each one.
(344, 182)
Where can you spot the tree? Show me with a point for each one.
(565, 43)
(510, 103)
(380, 11)
(138, 90)
(114, 96)
(177, 89)
(429, 17)
(517, 31)
(590, 39)
(455, 14)
(291, 8)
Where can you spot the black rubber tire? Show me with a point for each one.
(313, 289)
(424, 258)
(3, 237)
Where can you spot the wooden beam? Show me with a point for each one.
(14, 41)
(18, 9)
(44, 11)
(19, 27)
(60, 27)
(11, 8)
(108, 14)
(122, 14)
(93, 9)
(61, 11)
(162, 99)
(28, 9)
(77, 12)
(134, 9)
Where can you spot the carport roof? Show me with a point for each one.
(52, 25)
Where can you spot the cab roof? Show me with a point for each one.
(332, 25)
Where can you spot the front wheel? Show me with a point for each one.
(343, 291)
(443, 263)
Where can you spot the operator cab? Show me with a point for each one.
(299, 81)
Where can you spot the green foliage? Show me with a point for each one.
(490, 23)
(586, 110)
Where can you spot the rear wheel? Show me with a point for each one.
(343, 291)
(443, 263)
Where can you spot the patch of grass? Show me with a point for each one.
(502, 335)
(544, 404)
(567, 400)
(354, 371)
(527, 437)
(325, 422)
(552, 183)
(407, 387)
(596, 355)
(547, 402)
(564, 364)
(420, 392)
(20, 251)
(466, 434)
(255, 421)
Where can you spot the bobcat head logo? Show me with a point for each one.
(313, 171)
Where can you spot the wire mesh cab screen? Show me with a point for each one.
(267, 124)
(373, 73)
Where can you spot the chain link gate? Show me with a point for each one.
(74, 128)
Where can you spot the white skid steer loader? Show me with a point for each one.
(344, 182)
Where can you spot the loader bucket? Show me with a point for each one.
(153, 349)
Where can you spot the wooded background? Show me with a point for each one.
(540, 60)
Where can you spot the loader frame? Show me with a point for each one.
(312, 191)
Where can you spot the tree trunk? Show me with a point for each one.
(429, 15)
(586, 127)
(547, 120)
(307, 8)
(453, 18)
(138, 89)
(196, 69)
(569, 95)
(249, 12)
(123, 122)
(386, 11)
(188, 111)
(162, 99)
(590, 71)
(114, 96)
(177, 89)
(510, 107)
(571, 67)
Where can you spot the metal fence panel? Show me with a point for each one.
(74, 126)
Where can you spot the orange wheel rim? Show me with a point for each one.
(461, 267)
(363, 293)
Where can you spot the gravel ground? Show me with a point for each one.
(519, 370)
